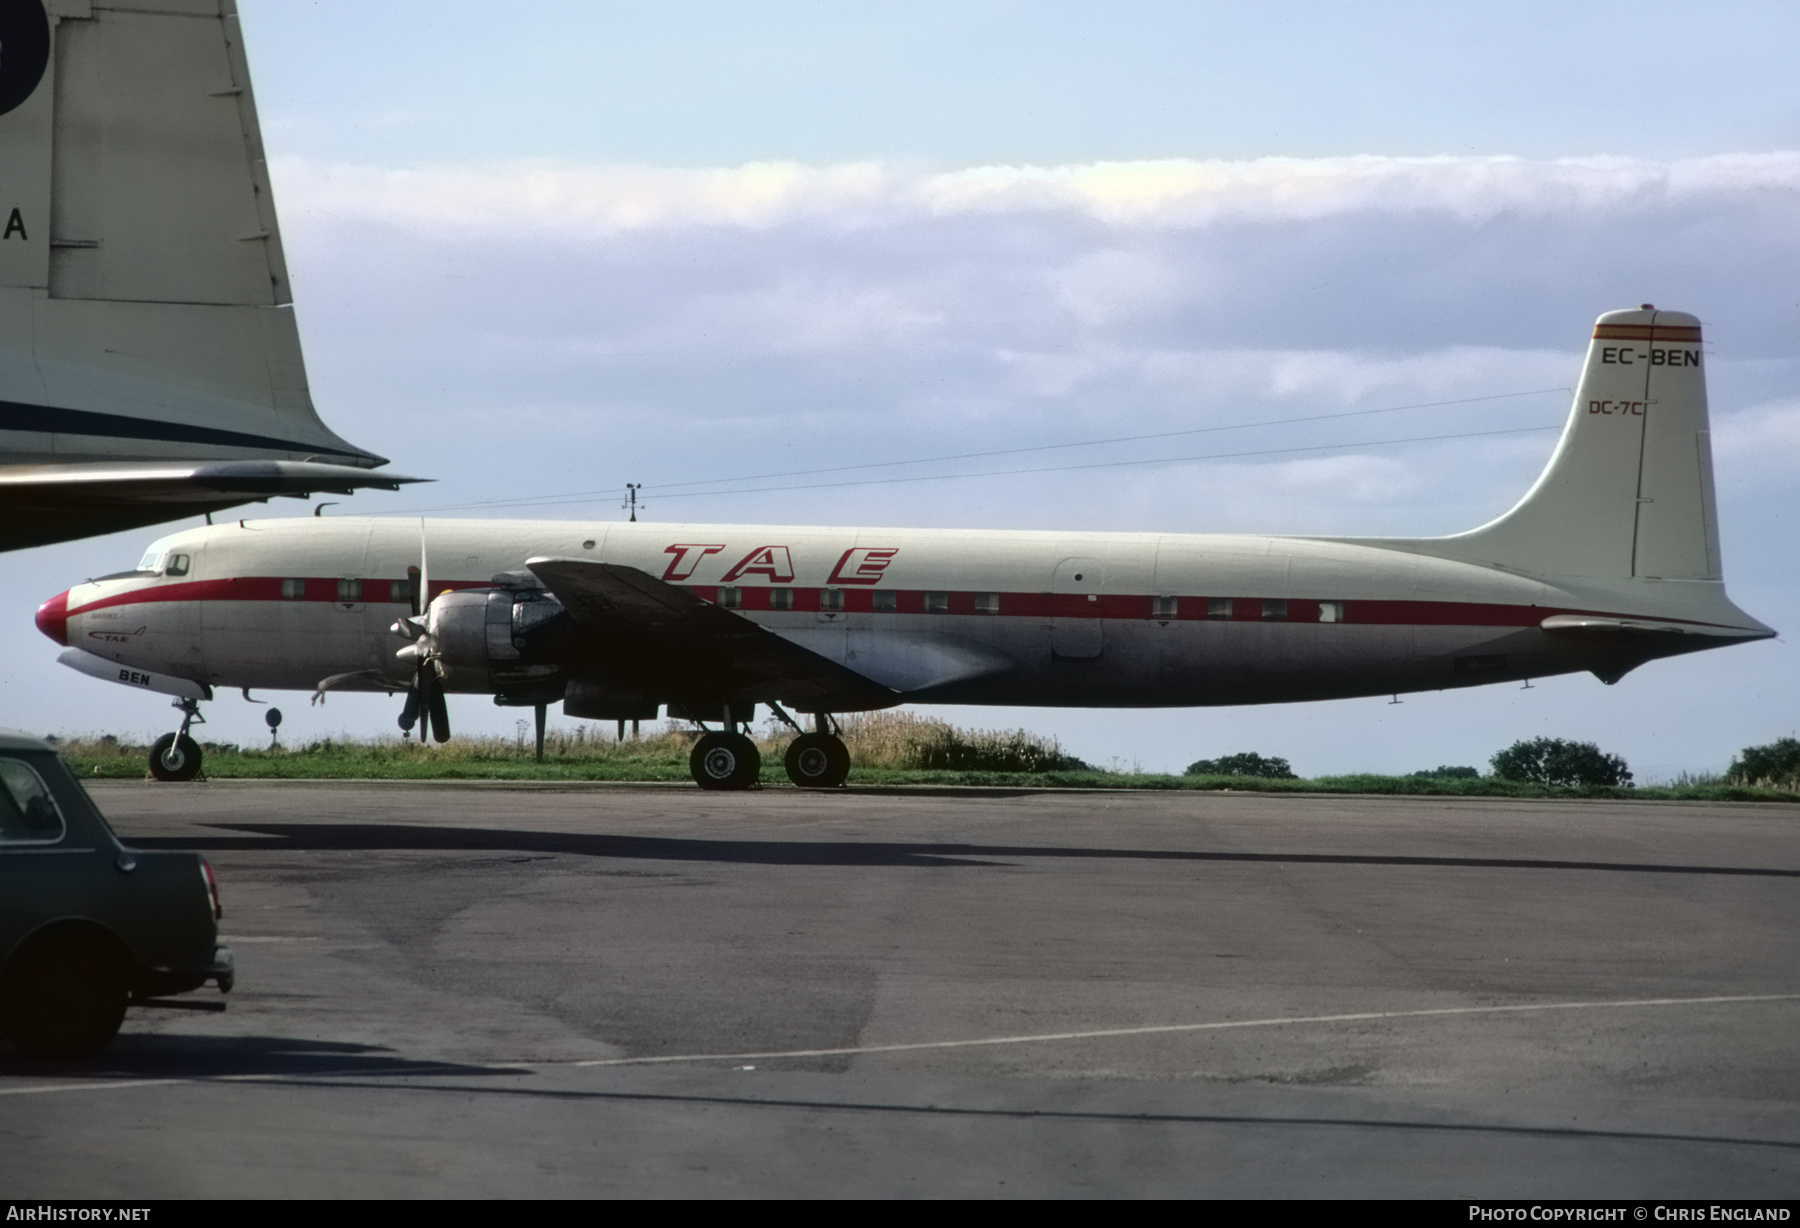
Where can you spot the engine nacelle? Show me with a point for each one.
(497, 639)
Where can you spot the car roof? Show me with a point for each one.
(12, 739)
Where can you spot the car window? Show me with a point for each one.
(28, 815)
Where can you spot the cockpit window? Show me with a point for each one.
(27, 813)
(178, 565)
(152, 560)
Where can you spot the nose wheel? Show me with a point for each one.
(818, 761)
(175, 756)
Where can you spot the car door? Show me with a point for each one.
(44, 865)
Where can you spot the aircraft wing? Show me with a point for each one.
(659, 632)
(40, 504)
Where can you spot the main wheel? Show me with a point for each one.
(69, 998)
(175, 757)
(725, 761)
(818, 761)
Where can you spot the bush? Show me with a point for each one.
(1449, 773)
(1555, 761)
(1247, 764)
(908, 741)
(1778, 763)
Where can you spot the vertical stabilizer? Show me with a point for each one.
(1628, 494)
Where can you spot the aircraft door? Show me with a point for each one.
(1076, 632)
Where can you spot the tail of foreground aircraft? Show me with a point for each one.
(150, 366)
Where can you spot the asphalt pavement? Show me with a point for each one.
(450, 990)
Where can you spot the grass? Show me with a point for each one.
(888, 748)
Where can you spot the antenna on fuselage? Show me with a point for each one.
(631, 489)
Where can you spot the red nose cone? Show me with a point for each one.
(53, 618)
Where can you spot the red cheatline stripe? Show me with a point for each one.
(266, 588)
(1121, 606)
(1645, 332)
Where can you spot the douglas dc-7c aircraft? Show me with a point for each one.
(150, 366)
(1609, 561)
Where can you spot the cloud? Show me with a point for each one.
(1759, 445)
(602, 199)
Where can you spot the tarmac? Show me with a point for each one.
(455, 990)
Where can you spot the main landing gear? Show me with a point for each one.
(727, 759)
(818, 761)
(175, 756)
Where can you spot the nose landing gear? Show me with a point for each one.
(175, 756)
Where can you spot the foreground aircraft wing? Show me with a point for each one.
(40, 504)
(651, 628)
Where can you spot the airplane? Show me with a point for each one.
(1609, 561)
(150, 364)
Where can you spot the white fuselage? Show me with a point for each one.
(1061, 619)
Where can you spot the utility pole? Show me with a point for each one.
(631, 489)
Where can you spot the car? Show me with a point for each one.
(89, 926)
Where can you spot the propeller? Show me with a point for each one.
(425, 698)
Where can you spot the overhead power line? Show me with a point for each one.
(1095, 443)
(555, 501)
(670, 490)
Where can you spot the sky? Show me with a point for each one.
(542, 251)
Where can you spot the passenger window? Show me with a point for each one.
(349, 590)
(884, 602)
(1274, 610)
(1331, 611)
(831, 599)
(1164, 607)
(987, 603)
(401, 591)
(293, 590)
(27, 813)
(1218, 607)
(781, 599)
(178, 565)
(937, 603)
(731, 596)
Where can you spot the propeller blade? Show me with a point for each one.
(410, 713)
(440, 714)
(424, 572)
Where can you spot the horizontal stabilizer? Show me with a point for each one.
(51, 503)
(1600, 625)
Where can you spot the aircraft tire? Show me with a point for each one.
(725, 761)
(175, 757)
(817, 761)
